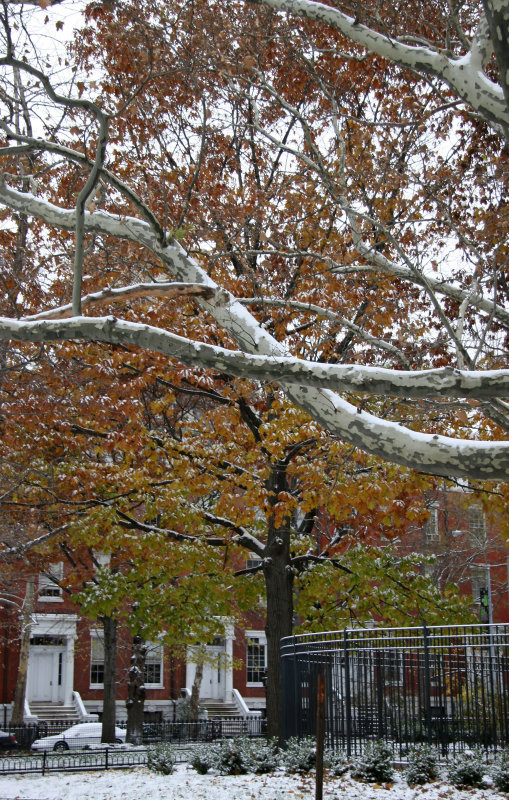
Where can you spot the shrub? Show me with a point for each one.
(500, 772)
(183, 709)
(299, 755)
(204, 757)
(422, 765)
(161, 758)
(374, 766)
(236, 757)
(230, 758)
(335, 761)
(259, 756)
(467, 769)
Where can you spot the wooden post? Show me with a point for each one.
(320, 735)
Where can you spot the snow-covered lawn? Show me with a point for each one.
(185, 784)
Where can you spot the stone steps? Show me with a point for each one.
(216, 709)
(55, 713)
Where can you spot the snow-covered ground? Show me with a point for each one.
(185, 784)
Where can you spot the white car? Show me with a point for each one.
(86, 734)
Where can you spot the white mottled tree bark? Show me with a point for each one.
(465, 75)
(314, 386)
(432, 453)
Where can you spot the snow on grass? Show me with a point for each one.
(185, 784)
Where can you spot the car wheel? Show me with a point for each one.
(118, 741)
(60, 746)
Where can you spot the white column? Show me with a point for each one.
(68, 669)
(190, 667)
(229, 636)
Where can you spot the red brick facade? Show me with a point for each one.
(65, 656)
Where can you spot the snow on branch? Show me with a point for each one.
(463, 75)
(430, 453)
(442, 382)
(169, 289)
(437, 454)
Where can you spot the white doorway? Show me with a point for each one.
(46, 674)
(217, 680)
(213, 681)
(50, 677)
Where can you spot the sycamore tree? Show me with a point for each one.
(307, 210)
(379, 161)
(182, 494)
(180, 486)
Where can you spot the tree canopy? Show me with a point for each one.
(329, 190)
(247, 253)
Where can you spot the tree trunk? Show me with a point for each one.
(110, 669)
(195, 691)
(279, 586)
(18, 710)
(136, 692)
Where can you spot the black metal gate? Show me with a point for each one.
(447, 686)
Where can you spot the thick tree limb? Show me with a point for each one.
(442, 382)
(167, 290)
(463, 74)
(433, 453)
(430, 453)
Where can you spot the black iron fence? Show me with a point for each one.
(88, 760)
(78, 754)
(204, 730)
(446, 686)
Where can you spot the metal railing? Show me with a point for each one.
(88, 754)
(164, 731)
(446, 686)
(204, 730)
(88, 760)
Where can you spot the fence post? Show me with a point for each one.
(44, 762)
(427, 683)
(106, 758)
(348, 699)
(320, 734)
(380, 689)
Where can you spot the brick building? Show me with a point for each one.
(66, 659)
(66, 662)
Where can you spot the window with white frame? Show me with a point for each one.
(96, 659)
(102, 559)
(154, 664)
(477, 524)
(49, 590)
(431, 533)
(428, 570)
(393, 664)
(256, 658)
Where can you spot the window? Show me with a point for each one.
(103, 559)
(256, 658)
(96, 659)
(49, 590)
(428, 570)
(47, 640)
(477, 524)
(154, 664)
(479, 578)
(251, 563)
(430, 529)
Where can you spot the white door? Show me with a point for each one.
(213, 681)
(45, 674)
